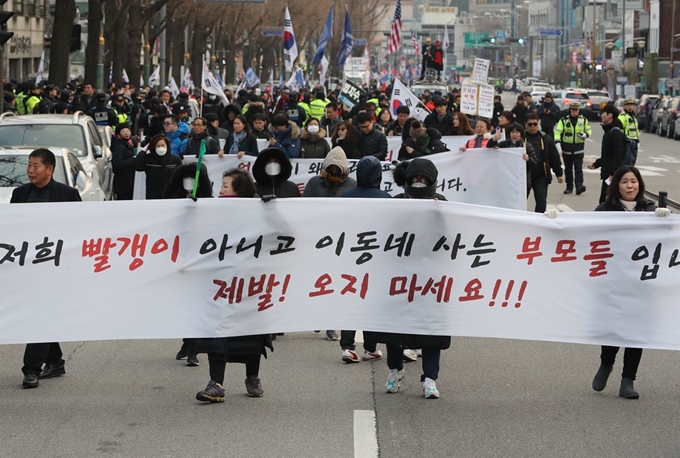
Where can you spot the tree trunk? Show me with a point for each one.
(120, 50)
(110, 35)
(94, 22)
(64, 13)
(135, 30)
(200, 34)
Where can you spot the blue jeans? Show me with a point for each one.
(431, 356)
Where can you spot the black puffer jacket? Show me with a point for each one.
(277, 185)
(613, 149)
(373, 144)
(123, 161)
(643, 205)
(158, 170)
(429, 143)
(432, 121)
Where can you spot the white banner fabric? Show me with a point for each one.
(227, 267)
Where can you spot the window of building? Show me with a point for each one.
(30, 7)
(42, 8)
(26, 67)
(18, 6)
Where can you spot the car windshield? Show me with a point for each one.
(13, 170)
(65, 136)
(575, 95)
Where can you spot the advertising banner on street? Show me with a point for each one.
(226, 267)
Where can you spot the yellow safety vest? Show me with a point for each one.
(566, 132)
(317, 108)
(630, 125)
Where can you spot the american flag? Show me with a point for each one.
(395, 33)
(414, 40)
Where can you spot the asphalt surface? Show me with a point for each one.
(499, 398)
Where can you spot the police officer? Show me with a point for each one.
(570, 133)
(103, 114)
(630, 122)
(317, 107)
(295, 112)
(121, 109)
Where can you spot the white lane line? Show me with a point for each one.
(359, 336)
(365, 434)
(561, 207)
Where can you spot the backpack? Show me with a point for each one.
(630, 154)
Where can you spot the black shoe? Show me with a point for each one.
(52, 371)
(30, 381)
(192, 360)
(600, 380)
(568, 191)
(182, 353)
(254, 387)
(627, 390)
(580, 190)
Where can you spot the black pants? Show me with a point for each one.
(539, 183)
(631, 359)
(573, 169)
(431, 357)
(218, 364)
(603, 191)
(37, 354)
(347, 341)
(548, 130)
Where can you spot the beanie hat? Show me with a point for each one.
(121, 126)
(417, 130)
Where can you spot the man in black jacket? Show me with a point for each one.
(549, 113)
(613, 148)
(548, 158)
(199, 133)
(42, 188)
(440, 119)
(372, 142)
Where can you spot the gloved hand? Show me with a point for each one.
(268, 197)
(582, 135)
(192, 197)
(662, 212)
(552, 213)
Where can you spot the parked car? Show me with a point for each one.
(564, 98)
(599, 99)
(68, 170)
(657, 112)
(641, 109)
(666, 124)
(78, 133)
(676, 131)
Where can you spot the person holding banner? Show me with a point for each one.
(199, 134)
(425, 141)
(271, 171)
(625, 193)
(346, 137)
(285, 135)
(419, 179)
(372, 142)
(483, 138)
(241, 141)
(459, 125)
(515, 132)
(158, 166)
(42, 188)
(313, 144)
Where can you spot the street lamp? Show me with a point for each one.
(100, 63)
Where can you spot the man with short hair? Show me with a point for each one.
(331, 120)
(549, 114)
(87, 100)
(103, 114)
(548, 158)
(397, 126)
(613, 148)
(165, 97)
(49, 99)
(178, 133)
(372, 142)
(199, 133)
(42, 188)
(571, 133)
(440, 118)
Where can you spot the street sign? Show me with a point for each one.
(500, 34)
(474, 39)
(549, 32)
(272, 32)
(361, 42)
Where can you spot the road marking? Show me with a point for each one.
(365, 434)
(651, 168)
(563, 208)
(359, 336)
(665, 158)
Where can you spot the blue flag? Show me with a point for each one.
(219, 80)
(251, 78)
(326, 34)
(347, 42)
(300, 78)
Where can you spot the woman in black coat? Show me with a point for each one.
(158, 163)
(626, 193)
(347, 138)
(123, 161)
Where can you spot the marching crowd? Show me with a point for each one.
(162, 136)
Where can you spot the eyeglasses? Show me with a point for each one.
(198, 125)
(342, 129)
(532, 124)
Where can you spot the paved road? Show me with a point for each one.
(500, 398)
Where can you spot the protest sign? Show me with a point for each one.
(228, 267)
(480, 71)
(350, 93)
(468, 99)
(486, 94)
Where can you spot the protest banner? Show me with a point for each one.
(351, 93)
(480, 71)
(227, 267)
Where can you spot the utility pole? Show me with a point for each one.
(623, 44)
(673, 38)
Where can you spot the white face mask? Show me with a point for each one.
(272, 169)
(188, 183)
(418, 184)
(161, 151)
(313, 129)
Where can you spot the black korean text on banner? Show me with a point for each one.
(351, 93)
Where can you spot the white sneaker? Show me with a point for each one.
(350, 356)
(372, 355)
(430, 389)
(392, 384)
(410, 356)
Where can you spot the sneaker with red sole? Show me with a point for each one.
(371, 355)
(350, 356)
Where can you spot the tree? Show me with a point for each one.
(95, 16)
(64, 15)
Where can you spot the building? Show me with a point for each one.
(21, 56)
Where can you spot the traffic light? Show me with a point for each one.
(4, 17)
(488, 40)
(517, 40)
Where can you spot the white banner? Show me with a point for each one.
(227, 267)
(490, 177)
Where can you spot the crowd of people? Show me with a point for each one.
(162, 136)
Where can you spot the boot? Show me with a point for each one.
(600, 380)
(627, 390)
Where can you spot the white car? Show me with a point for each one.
(68, 170)
(77, 132)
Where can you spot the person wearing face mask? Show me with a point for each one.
(346, 137)
(419, 179)
(158, 165)
(123, 161)
(271, 171)
(313, 143)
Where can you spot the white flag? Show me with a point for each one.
(324, 69)
(187, 81)
(271, 80)
(41, 69)
(401, 95)
(141, 81)
(125, 77)
(210, 84)
(290, 51)
(155, 78)
(174, 90)
(445, 43)
(292, 82)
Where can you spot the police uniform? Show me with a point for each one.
(630, 124)
(571, 133)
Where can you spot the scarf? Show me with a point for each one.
(238, 138)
